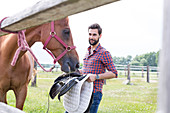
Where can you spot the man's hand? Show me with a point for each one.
(92, 77)
(106, 75)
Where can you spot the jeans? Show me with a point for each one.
(97, 97)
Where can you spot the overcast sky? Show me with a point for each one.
(130, 27)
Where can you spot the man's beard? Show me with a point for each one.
(94, 42)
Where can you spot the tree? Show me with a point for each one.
(128, 59)
(122, 60)
(143, 62)
(150, 59)
(134, 62)
(146, 59)
(157, 57)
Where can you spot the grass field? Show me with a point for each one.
(141, 97)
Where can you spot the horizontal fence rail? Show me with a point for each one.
(121, 69)
(137, 68)
(48, 10)
(129, 71)
(125, 71)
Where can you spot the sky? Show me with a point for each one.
(130, 27)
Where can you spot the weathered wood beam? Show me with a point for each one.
(164, 79)
(4, 108)
(49, 10)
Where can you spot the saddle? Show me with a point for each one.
(76, 90)
(63, 83)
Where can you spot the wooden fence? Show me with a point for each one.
(124, 70)
(136, 71)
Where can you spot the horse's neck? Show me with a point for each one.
(33, 35)
(9, 44)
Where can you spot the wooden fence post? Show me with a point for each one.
(125, 71)
(142, 73)
(34, 79)
(157, 73)
(128, 77)
(148, 74)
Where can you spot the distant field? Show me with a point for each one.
(141, 97)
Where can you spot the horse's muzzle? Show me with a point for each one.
(70, 66)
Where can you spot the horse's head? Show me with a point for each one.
(69, 60)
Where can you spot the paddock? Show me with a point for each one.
(163, 100)
(118, 98)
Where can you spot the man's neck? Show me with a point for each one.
(94, 47)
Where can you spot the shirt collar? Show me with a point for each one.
(97, 48)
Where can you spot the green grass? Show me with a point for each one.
(141, 97)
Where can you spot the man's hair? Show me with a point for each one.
(96, 26)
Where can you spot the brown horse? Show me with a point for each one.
(17, 77)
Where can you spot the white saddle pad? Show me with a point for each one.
(78, 98)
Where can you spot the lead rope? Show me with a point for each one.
(23, 46)
(48, 108)
(48, 103)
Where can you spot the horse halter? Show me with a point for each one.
(53, 35)
(23, 45)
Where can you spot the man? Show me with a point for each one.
(96, 61)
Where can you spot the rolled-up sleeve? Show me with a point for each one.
(108, 62)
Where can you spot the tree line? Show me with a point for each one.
(150, 59)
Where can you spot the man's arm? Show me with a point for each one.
(106, 75)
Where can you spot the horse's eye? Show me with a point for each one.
(66, 31)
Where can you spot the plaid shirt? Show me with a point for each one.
(97, 63)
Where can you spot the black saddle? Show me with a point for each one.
(64, 83)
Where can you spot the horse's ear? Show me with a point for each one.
(67, 19)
